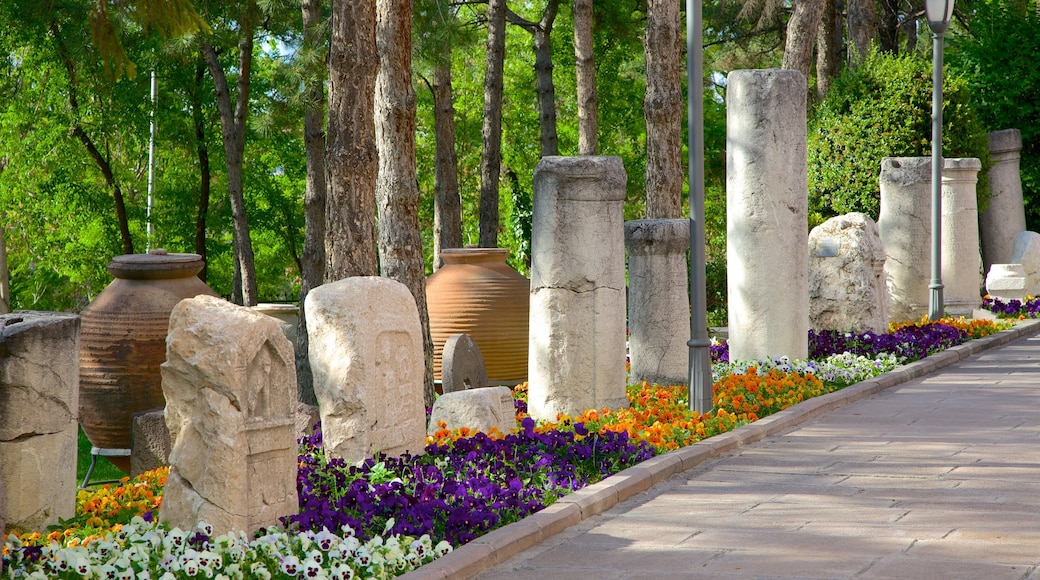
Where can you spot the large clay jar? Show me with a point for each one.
(123, 342)
(478, 294)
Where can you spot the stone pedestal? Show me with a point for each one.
(476, 409)
(1026, 251)
(961, 260)
(906, 233)
(1006, 282)
(230, 386)
(577, 332)
(1005, 215)
(366, 353)
(39, 399)
(846, 275)
(766, 214)
(658, 300)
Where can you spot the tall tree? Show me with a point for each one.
(397, 191)
(828, 46)
(588, 124)
(541, 32)
(205, 173)
(862, 23)
(491, 134)
(312, 274)
(233, 131)
(350, 153)
(802, 30)
(662, 109)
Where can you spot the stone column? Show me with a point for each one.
(1005, 216)
(961, 258)
(906, 233)
(658, 300)
(39, 404)
(576, 357)
(767, 246)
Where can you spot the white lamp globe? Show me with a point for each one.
(939, 13)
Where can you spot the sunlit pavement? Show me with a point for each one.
(931, 471)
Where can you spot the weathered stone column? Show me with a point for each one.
(39, 403)
(577, 334)
(658, 300)
(961, 261)
(230, 386)
(906, 233)
(1005, 216)
(767, 214)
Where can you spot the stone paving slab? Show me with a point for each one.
(929, 471)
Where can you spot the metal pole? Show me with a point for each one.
(151, 164)
(700, 398)
(935, 300)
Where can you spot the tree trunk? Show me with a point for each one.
(888, 27)
(543, 66)
(397, 187)
(312, 267)
(5, 281)
(862, 27)
(588, 123)
(350, 153)
(491, 133)
(447, 204)
(662, 110)
(802, 29)
(202, 152)
(828, 43)
(233, 130)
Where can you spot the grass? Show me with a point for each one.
(103, 471)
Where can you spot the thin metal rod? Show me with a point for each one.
(935, 299)
(151, 163)
(700, 396)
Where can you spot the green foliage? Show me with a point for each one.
(998, 58)
(883, 109)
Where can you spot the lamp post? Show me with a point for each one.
(700, 399)
(939, 13)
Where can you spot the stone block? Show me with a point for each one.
(307, 416)
(658, 300)
(39, 403)
(1006, 282)
(906, 232)
(847, 288)
(462, 365)
(230, 385)
(577, 332)
(477, 409)
(961, 258)
(1026, 251)
(149, 441)
(766, 214)
(366, 354)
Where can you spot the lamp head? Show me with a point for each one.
(939, 13)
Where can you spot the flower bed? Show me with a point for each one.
(388, 515)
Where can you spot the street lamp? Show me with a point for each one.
(939, 13)
(700, 399)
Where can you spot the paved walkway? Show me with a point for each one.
(931, 471)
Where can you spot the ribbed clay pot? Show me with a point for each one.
(123, 342)
(478, 294)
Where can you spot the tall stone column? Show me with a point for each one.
(658, 300)
(906, 233)
(577, 333)
(39, 405)
(1006, 215)
(961, 261)
(767, 247)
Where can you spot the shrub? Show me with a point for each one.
(883, 108)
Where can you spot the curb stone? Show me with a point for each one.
(500, 545)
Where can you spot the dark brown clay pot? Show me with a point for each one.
(123, 342)
(478, 294)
